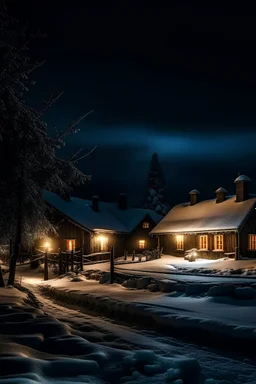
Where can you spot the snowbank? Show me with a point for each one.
(172, 264)
(37, 348)
(200, 316)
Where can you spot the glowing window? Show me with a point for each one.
(103, 240)
(145, 224)
(252, 242)
(203, 242)
(218, 243)
(141, 244)
(70, 245)
(180, 243)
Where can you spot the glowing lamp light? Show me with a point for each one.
(47, 245)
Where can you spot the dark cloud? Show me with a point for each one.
(178, 79)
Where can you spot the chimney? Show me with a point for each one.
(95, 203)
(220, 195)
(242, 191)
(122, 201)
(194, 196)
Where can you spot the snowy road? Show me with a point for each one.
(105, 332)
(141, 269)
(182, 277)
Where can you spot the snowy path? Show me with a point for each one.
(106, 333)
(183, 277)
(147, 269)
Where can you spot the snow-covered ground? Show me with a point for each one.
(224, 310)
(56, 344)
(173, 264)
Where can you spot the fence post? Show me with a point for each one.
(133, 255)
(112, 266)
(67, 262)
(81, 261)
(46, 265)
(60, 263)
(10, 252)
(125, 254)
(72, 260)
(1, 278)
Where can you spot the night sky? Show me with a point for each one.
(177, 80)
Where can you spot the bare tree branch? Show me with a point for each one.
(48, 104)
(85, 155)
(72, 127)
(75, 154)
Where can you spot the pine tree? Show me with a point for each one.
(156, 199)
(28, 155)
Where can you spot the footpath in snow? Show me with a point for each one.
(38, 348)
(225, 267)
(225, 312)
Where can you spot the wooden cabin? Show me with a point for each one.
(224, 226)
(95, 226)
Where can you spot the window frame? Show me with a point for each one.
(145, 225)
(180, 243)
(142, 244)
(203, 248)
(216, 243)
(251, 241)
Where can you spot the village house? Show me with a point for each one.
(95, 226)
(224, 226)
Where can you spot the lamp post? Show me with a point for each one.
(46, 261)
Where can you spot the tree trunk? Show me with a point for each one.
(1, 278)
(15, 254)
(17, 238)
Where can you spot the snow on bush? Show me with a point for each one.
(104, 278)
(221, 290)
(176, 368)
(166, 285)
(245, 292)
(143, 282)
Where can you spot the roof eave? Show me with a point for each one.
(195, 232)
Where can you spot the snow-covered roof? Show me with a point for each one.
(206, 216)
(242, 178)
(108, 218)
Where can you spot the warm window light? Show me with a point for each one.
(145, 224)
(70, 245)
(218, 243)
(252, 242)
(141, 244)
(180, 242)
(103, 240)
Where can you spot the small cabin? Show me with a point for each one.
(219, 227)
(94, 226)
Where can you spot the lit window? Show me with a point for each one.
(70, 245)
(145, 224)
(252, 242)
(218, 242)
(203, 242)
(103, 240)
(141, 244)
(180, 243)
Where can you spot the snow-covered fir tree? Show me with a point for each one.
(156, 199)
(28, 155)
